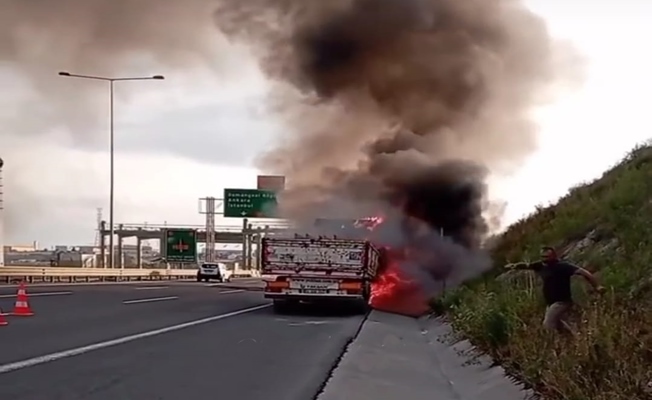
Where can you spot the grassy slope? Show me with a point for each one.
(607, 227)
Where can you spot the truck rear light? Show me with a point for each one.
(351, 286)
(278, 285)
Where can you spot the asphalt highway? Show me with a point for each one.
(164, 341)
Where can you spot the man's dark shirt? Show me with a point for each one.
(556, 278)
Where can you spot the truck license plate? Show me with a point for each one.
(315, 285)
(320, 286)
(314, 291)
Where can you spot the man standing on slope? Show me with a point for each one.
(556, 275)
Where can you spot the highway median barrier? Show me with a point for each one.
(243, 273)
(240, 275)
(16, 274)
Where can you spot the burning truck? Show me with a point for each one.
(348, 262)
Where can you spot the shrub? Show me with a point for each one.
(603, 225)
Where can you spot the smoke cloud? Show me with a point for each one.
(402, 108)
(111, 38)
(38, 38)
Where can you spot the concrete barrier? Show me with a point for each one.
(55, 274)
(246, 274)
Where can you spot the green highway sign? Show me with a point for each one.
(250, 203)
(181, 245)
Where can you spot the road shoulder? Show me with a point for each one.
(394, 357)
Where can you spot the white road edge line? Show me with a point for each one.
(151, 287)
(7, 296)
(30, 362)
(150, 300)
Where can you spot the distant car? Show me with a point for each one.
(213, 271)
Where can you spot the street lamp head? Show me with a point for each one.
(64, 73)
(159, 77)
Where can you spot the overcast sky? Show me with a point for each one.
(199, 131)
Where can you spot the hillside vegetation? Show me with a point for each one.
(605, 226)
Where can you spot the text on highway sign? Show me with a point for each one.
(250, 203)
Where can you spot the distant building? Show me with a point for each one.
(88, 250)
(22, 248)
(74, 256)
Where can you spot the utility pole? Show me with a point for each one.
(98, 236)
(210, 229)
(2, 217)
(210, 210)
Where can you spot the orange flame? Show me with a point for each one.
(392, 291)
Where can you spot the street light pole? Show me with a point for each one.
(111, 184)
(111, 82)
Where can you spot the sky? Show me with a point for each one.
(587, 132)
(194, 134)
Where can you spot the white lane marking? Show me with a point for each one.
(30, 362)
(7, 296)
(231, 291)
(231, 284)
(151, 287)
(150, 300)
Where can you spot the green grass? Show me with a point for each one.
(605, 226)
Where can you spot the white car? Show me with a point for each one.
(216, 271)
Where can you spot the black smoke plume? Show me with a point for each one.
(400, 107)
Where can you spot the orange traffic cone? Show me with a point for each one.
(21, 308)
(3, 320)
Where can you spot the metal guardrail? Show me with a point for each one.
(156, 228)
(56, 274)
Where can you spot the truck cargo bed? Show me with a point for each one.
(319, 256)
